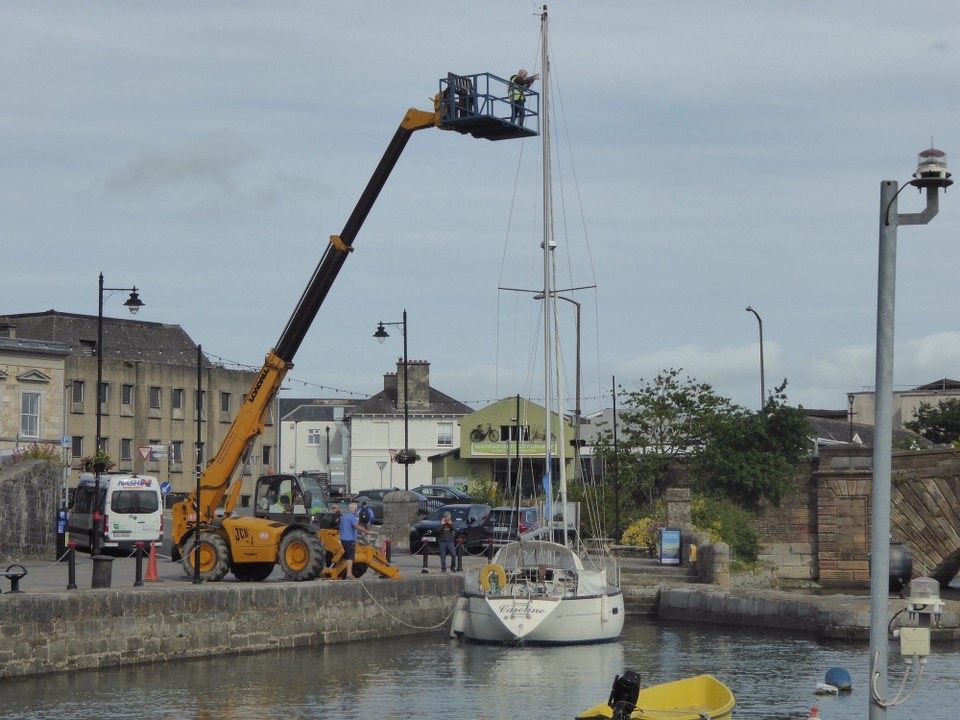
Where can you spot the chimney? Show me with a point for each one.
(418, 385)
(8, 328)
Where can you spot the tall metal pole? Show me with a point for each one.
(97, 466)
(763, 389)
(932, 176)
(406, 405)
(616, 469)
(199, 468)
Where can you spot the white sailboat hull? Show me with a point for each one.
(546, 597)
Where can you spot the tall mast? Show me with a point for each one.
(549, 298)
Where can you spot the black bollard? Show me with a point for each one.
(423, 549)
(102, 571)
(489, 550)
(138, 579)
(71, 566)
(388, 550)
(458, 565)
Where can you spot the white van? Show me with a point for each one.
(131, 507)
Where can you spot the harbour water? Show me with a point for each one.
(773, 675)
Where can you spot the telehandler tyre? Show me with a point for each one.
(301, 555)
(214, 557)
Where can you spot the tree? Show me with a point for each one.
(940, 423)
(664, 419)
(750, 457)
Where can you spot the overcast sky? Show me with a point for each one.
(724, 154)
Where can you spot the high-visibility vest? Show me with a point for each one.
(516, 89)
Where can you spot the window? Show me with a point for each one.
(154, 397)
(176, 398)
(126, 449)
(314, 437)
(266, 456)
(199, 397)
(177, 447)
(225, 402)
(30, 414)
(126, 394)
(445, 433)
(105, 444)
(76, 446)
(77, 387)
(104, 393)
(512, 433)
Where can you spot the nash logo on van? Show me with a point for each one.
(134, 482)
(240, 534)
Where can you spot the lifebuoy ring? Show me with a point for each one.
(492, 569)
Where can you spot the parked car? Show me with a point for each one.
(506, 524)
(467, 521)
(446, 493)
(373, 498)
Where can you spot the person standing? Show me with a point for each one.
(366, 515)
(446, 543)
(349, 526)
(518, 83)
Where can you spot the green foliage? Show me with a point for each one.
(36, 451)
(484, 491)
(642, 533)
(90, 462)
(940, 423)
(726, 521)
(659, 422)
(750, 457)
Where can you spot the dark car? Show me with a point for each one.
(467, 521)
(506, 524)
(443, 492)
(373, 498)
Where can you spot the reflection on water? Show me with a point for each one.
(773, 676)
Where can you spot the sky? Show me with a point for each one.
(714, 156)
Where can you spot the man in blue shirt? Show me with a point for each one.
(349, 525)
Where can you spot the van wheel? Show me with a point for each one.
(214, 557)
(301, 555)
(252, 572)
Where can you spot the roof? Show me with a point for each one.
(123, 339)
(385, 403)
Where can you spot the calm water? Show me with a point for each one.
(429, 676)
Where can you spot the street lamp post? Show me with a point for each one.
(931, 175)
(381, 335)
(763, 390)
(133, 303)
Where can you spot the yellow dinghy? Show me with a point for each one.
(698, 698)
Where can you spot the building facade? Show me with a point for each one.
(377, 430)
(149, 399)
(862, 405)
(315, 440)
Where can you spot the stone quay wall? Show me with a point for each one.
(64, 631)
(29, 499)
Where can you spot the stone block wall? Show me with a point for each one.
(29, 499)
(64, 631)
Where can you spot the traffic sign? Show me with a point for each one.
(65, 441)
(165, 488)
(144, 451)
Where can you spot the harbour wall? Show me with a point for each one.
(64, 631)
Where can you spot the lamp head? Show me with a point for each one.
(134, 303)
(931, 170)
(381, 334)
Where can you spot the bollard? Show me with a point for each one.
(102, 571)
(71, 566)
(388, 550)
(458, 560)
(138, 578)
(423, 549)
(489, 550)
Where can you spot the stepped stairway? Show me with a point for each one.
(641, 579)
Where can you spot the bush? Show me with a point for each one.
(642, 533)
(726, 521)
(36, 451)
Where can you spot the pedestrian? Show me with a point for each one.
(446, 543)
(518, 83)
(366, 515)
(349, 526)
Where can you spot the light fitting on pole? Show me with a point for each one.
(931, 170)
(381, 334)
(134, 303)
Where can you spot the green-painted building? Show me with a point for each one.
(503, 442)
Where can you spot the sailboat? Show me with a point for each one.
(535, 590)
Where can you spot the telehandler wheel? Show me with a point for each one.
(301, 555)
(214, 557)
(252, 572)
